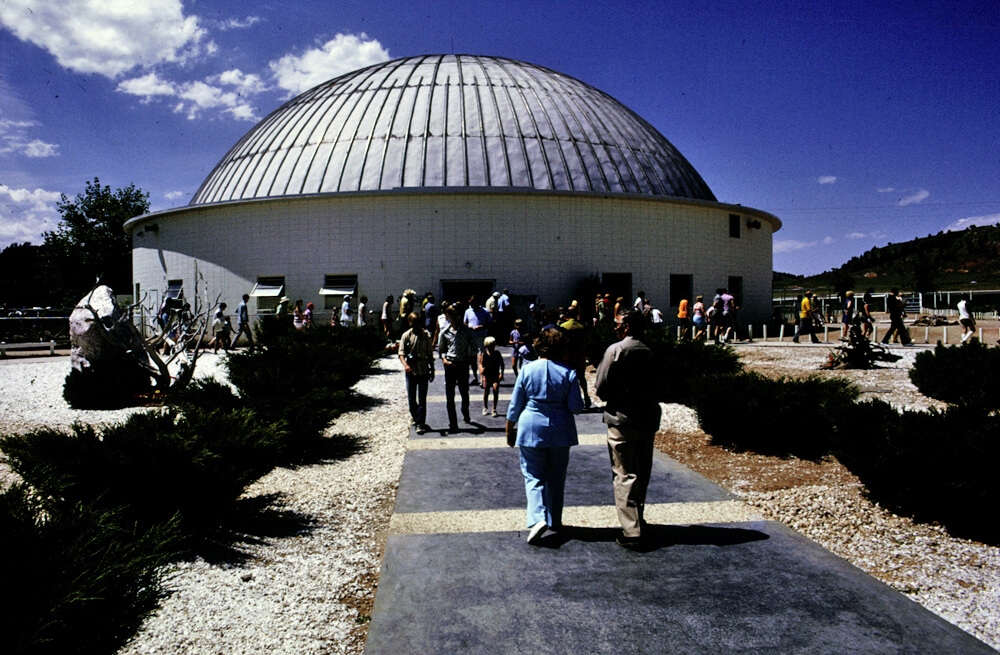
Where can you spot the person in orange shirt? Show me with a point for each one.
(685, 320)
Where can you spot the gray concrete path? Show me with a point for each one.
(458, 576)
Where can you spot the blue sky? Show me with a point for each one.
(856, 123)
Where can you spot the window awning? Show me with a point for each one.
(174, 289)
(268, 288)
(339, 285)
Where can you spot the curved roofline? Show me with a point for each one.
(773, 220)
(447, 121)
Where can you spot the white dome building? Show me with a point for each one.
(455, 174)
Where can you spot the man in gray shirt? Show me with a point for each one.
(457, 347)
(629, 381)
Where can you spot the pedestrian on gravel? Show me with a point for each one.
(897, 312)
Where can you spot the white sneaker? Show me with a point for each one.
(536, 532)
(486, 412)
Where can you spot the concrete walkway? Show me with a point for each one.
(458, 576)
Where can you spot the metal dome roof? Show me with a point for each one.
(452, 121)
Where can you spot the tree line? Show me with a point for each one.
(88, 244)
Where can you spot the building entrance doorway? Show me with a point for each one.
(462, 290)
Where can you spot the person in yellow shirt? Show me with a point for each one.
(806, 317)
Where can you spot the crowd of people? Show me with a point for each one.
(548, 361)
(548, 358)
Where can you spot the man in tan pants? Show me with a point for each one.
(628, 380)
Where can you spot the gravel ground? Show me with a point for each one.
(309, 593)
(313, 593)
(956, 578)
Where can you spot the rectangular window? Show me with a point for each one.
(175, 289)
(734, 226)
(681, 288)
(335, 287)
(268, 291)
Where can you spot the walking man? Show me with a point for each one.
(628, 380)
(807, 318)
(417, 354)
(243, 320)
(478, 321)
(965, 318)
(458, 350)
(897, 312)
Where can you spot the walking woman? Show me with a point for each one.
(540, 422)
(699, 319)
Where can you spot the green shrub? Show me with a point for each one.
(304, 379)
(102, 387)
(934, 466)
(77, 579)
(961, 375)
(682, 363)
(748, 411)
(153, 466)
(685, 362)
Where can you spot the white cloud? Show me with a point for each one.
(6, 125)
(25, 214)
(343, 54)
(245, 84)
(237, 24)
(962, 223)
(173, 195)
(828, 241)
(827, 179)
(14, 139)
(885, 189)
(199, 96)
(914, 198)
(790, 245)
(34, 149)
(108, 37)
(38, 148)
(872, 236)
(147, 86)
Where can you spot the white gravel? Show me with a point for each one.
(302, 594)
(311, 593)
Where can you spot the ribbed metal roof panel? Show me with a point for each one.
(452, 121)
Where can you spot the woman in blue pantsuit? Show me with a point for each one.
(546, 395)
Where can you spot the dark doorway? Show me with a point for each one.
(681, 288)
(618, 284)
(461, 290)
(736, 288)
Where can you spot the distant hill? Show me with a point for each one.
(969, 259)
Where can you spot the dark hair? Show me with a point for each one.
(634, 320)
(551, 344)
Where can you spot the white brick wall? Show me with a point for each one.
(541, 243)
